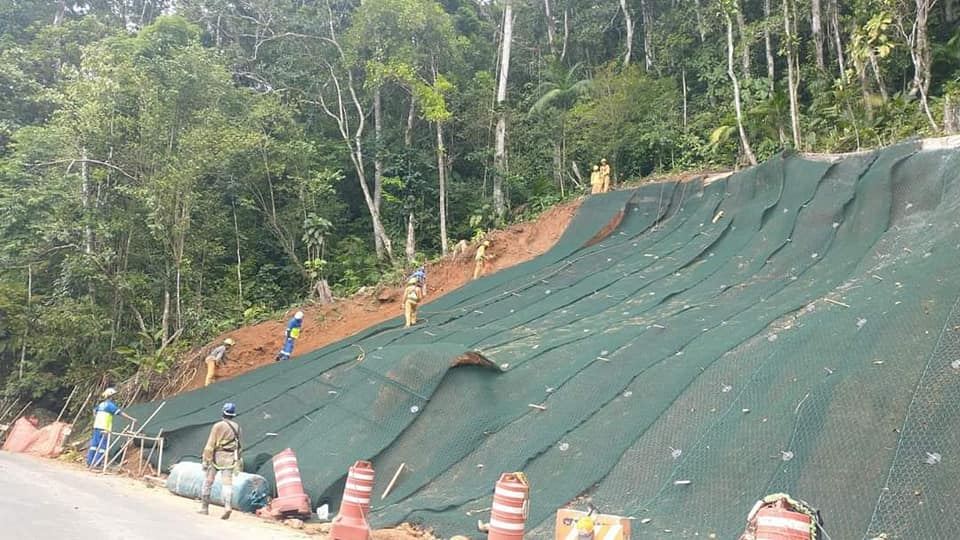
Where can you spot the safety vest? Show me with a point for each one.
(293, 328)
(411, 294)
(103, 415)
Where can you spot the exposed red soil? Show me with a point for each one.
(257, 345)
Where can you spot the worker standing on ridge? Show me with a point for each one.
(222, 454)
(604, 176)
(293, 334)
(596, 183)
(481, 258)
(216, 356)
(103, 415)
(412, 294)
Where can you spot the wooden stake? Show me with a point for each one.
(9, 408)
(832, 301)
(80, 410)
(152, 448)
(393, 481)
(65, 405)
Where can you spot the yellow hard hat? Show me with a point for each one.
(603, 160)
(109, 392)
(596, 167)
(486, 243)
(412, 281)
(229, 341)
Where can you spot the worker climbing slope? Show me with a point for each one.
(222, 455)
(103, 415)
(216, 357)
(412, 295)
(481, 258)
(292, 335)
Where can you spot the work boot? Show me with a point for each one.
(227, 502)
(204, 506)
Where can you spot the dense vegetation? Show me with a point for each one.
(171, 168)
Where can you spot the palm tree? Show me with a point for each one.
(560, 91)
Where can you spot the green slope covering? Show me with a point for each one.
(666, 347)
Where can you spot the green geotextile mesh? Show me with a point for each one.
(807, 340)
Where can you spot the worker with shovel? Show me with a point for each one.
(103, 415)
(222, 455)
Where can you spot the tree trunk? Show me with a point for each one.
(875, 67)
(236, 233)
(923, 57)
(411, 237)
(835, 30)
(793, 76)
(442, 174)
(744, 40)
(500, 140)
(26, 326)
(950, 12)
(646, 14)
(566, 33)
(816, 29)
(736, 93)
(377, 159)
(701, 26)
(768, 47)
(548, 20)
(628, 21)
(951, 114)
(683, 86)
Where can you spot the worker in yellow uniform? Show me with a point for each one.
(412, 294)
(222, 455)
(103, 415)
(481, 258)
(596, 183)
(217, 356)
(604, 176)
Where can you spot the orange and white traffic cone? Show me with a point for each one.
(511, 504)
(351, 522)
(291, 498)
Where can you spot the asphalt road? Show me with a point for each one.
(44, 500)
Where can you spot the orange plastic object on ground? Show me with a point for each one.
(781, 524)
(508, 516)
(351, 522)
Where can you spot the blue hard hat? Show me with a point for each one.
(229, 409)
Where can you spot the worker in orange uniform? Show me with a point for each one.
(596, 183)
(481, 258)
(216, 356)
(222, 455)
(604, 176)
(412, 295)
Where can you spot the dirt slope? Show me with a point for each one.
(257, 345)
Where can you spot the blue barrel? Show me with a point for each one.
(249, 490)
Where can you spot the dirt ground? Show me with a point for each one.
(257, 345)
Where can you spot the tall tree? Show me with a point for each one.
(500, 142)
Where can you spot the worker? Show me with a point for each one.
(292, 335)
(596, 183)
(420, 274)
(103, 415)
(481, 258)
(604, 176)
(217, 356)
(222, 455)
(412, 294)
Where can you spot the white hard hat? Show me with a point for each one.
(109, 392)
(299, 315)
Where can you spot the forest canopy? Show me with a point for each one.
(173, 169)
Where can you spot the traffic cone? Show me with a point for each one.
(291, 498)
(351, 522)
(511, 505)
